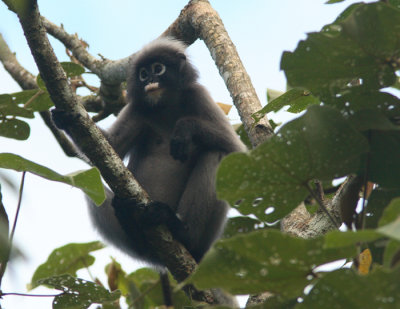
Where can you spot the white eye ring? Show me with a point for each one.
(143, 75)
(158, 68)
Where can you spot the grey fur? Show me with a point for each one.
(146, 132)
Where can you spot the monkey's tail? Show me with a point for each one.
(166, 288)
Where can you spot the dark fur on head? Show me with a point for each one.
(179, 74)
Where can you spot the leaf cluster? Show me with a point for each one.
(343, 80)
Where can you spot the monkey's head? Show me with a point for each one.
(159, 73)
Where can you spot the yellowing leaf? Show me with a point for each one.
(225, 107)
(365, 261)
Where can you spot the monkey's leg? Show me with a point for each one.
(203, 214)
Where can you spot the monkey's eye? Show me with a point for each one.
(143, 75)
(158, 68)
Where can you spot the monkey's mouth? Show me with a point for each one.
(152, 87)
(153, 92)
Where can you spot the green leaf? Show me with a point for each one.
(4, 232)
(391, 230)
(88, 181)
(395, 3)
(238, 225)
(391, 255)
(275, 302)
(264, 260)
(384, 163)
(72, 69)
(337, 239)
(148, 282)
(37, 99)
(333, 1)
(391, 213)
(273, 94)
(368, 119)
(297, 99)
(8, 107)
(272, 179)
(40, 83)
(360, 47)
(79, 293)
(377, 202)
(66, 260)
(14, 128)
(380, 102)
(346, 289)
(243, 136)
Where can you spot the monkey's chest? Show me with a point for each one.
(163, 177)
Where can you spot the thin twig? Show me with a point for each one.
(145, 293)
(21, 189)
(365, 182)
(38, 93)
(3, 265)
(319, 190)
(321, 204)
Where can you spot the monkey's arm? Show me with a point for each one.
(121, 134)
(205, 135)
(125, 129)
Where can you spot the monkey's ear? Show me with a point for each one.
(181, 56)
(182, 60)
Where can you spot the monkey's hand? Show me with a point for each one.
(181, 144)
(62, 119)
(158, 213)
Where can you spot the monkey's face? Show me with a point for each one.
(156, 80)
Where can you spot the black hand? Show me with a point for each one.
(179, 148)
(157, 213)
(62, 119)
(181, 141)
(150, 215)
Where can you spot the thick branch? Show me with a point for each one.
(26, 81)
(300, 223)
(94, 145)
(199, 19)
(109, 71)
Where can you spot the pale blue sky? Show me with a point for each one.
(54, 214)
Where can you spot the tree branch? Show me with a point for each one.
(302, 224)
(197, 20)
(27, 81)
(113, 72)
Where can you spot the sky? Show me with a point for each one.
(54, 214)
